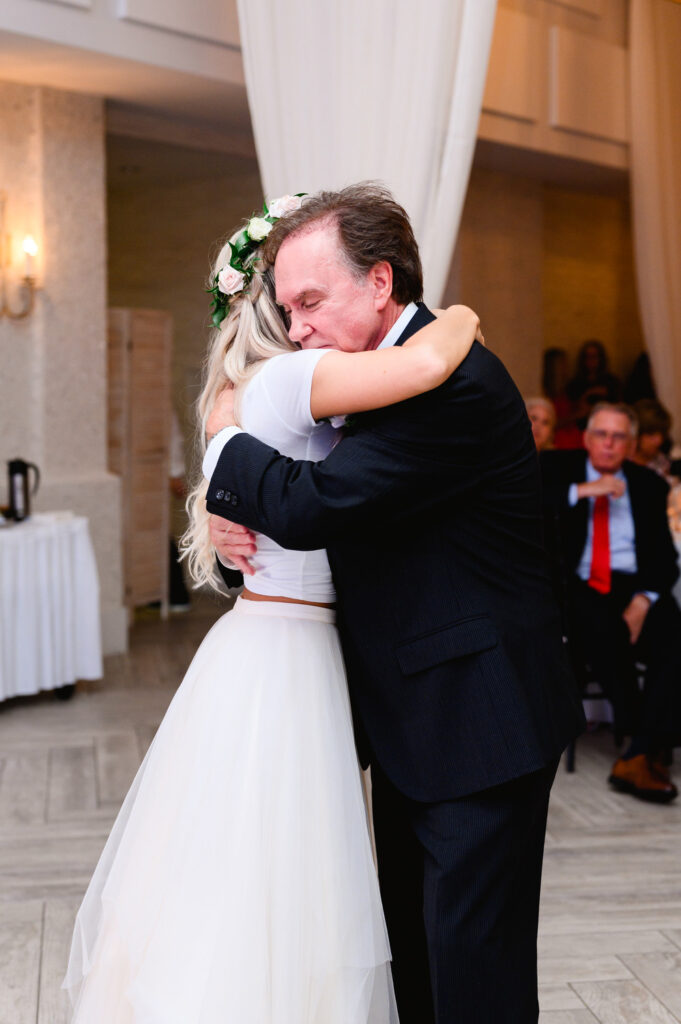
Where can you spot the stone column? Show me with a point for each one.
(53, 382)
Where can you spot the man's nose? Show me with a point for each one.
(298, 329)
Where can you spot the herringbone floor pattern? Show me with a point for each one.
(610, 938)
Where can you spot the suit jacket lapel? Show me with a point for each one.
(638, 507)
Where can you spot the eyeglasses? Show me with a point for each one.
(618, 436)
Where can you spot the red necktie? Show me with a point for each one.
(599, 577)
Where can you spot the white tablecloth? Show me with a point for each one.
(50, 632)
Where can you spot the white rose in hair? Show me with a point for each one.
(285, 204)
(230, 280)
(258, 228)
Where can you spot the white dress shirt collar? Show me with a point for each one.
(593, 474)
(400, 324)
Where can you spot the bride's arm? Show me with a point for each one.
(349, 382)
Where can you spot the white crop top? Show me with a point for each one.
(275, 408)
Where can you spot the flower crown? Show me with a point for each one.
(234, 277)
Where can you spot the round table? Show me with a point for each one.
(50, 632)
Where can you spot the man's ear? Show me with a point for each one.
(381, 281)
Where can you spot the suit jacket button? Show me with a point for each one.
(219, 495)
(228, 495)
(235, 500)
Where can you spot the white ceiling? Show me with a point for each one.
(173, 94)
(157, 104)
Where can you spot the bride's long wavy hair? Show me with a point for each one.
(252, 331)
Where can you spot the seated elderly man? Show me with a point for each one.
(619, 566)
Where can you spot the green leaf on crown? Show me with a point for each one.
(241, 242)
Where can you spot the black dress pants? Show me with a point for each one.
(460, 884)
(599, 637)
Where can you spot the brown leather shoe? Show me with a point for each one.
(635, 776)
(660, 769)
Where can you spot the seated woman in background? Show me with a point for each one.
(639, 384)
(555, 378)
(543, 419)
(593, 382)
(653, 443)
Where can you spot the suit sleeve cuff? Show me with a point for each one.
(214, 449)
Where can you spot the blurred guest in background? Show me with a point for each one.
(619, 563)
(555, 377)
(654, 442)
(639, 384)
(592, 381)
(543, 419)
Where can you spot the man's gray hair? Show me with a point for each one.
(619, 407)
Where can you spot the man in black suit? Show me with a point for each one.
(463, 699)
(619, 563)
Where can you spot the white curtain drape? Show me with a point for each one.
(382, 89)
(655, 83)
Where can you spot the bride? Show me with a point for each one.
(237, 885)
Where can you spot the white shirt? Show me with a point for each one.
(275, 408)
(621, 529)
(214, 450)
(399, 326)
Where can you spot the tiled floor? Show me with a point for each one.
(610, 938)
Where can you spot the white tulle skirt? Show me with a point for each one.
(237, 885)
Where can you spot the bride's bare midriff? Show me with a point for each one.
(248, 595)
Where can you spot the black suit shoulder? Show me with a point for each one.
(478, 413)
(563, 465)
(640, 477)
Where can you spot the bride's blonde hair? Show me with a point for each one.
(252, 331)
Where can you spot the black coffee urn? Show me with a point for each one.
(20, 493)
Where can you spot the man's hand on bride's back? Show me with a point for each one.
(222, 413)
(233, 543)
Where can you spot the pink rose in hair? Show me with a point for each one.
(285, 204)
(230, 280)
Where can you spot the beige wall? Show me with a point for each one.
(499, 264)
(557, 80)
(52, 386)
(543, 265)
(546, 266)
(168, 208)
(589, 288)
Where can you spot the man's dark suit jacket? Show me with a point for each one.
(430, 511)
(656, 555)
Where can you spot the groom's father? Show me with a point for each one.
(430, 512)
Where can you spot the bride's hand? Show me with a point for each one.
(222, 413)
(441, 312)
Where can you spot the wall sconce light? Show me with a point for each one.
(28, 281)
